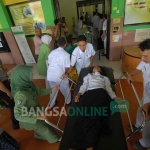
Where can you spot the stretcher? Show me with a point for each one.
(116, 140)
(139, 102)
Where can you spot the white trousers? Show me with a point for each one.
(145, 140)
(65, 90)
(105, 44)
(47, 83)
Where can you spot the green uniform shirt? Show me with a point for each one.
(25, 101)
(43, 56)
(86, 33)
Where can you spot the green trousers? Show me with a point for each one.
(41, 131)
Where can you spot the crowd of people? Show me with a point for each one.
(95, 27)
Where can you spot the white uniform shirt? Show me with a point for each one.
(105, 25)
(145, 68)
(58, 60)
(95, 21)
(82, 59)
(78, 26)
(100, 25)
(95, 81)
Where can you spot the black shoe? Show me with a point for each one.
(3, 105)
(16, 127)
(133, 126)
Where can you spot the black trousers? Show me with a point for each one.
(11, 104)
(100, 43)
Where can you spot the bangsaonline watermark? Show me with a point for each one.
(115, 106)
(71, 111)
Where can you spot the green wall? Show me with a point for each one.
(119, 4)
(48, 10)
(4, 18)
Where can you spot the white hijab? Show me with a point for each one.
(46, 39)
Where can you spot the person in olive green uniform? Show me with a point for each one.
(25, 96)
(43, 57)
(84, 31)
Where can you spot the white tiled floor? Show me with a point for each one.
(115, 65)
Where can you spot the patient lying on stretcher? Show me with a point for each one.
(95, 80)
(94, 95)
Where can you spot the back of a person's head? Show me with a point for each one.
(61, 42)
(145, 45)
(46, 39)
(56, 21)
(81, 18)
(100, 16)
(81, 38)
(94, 13)
(84, 23)
(105, 16)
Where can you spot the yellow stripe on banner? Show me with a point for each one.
(10, 2)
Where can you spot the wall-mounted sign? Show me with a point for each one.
(116, 20)
(29, 16)
(142, 34)
(115, 38)
(114, 8)
(137, 11)
(23, 44)
(116, 29)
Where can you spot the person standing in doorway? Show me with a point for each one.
(78, 26)
(95, 21)
(100, 44)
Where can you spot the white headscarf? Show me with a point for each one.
(46, 39)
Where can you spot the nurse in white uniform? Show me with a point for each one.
(82, 56)
(144, 66)
(58, 64)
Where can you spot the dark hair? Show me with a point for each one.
(102, 72)
(84, 23)
(81, 38)
(105, 16)
(100, 16)
(37, 28)
(81, 18)
(145, 45)
(56, 21)
(61, 41)
(94, 13)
